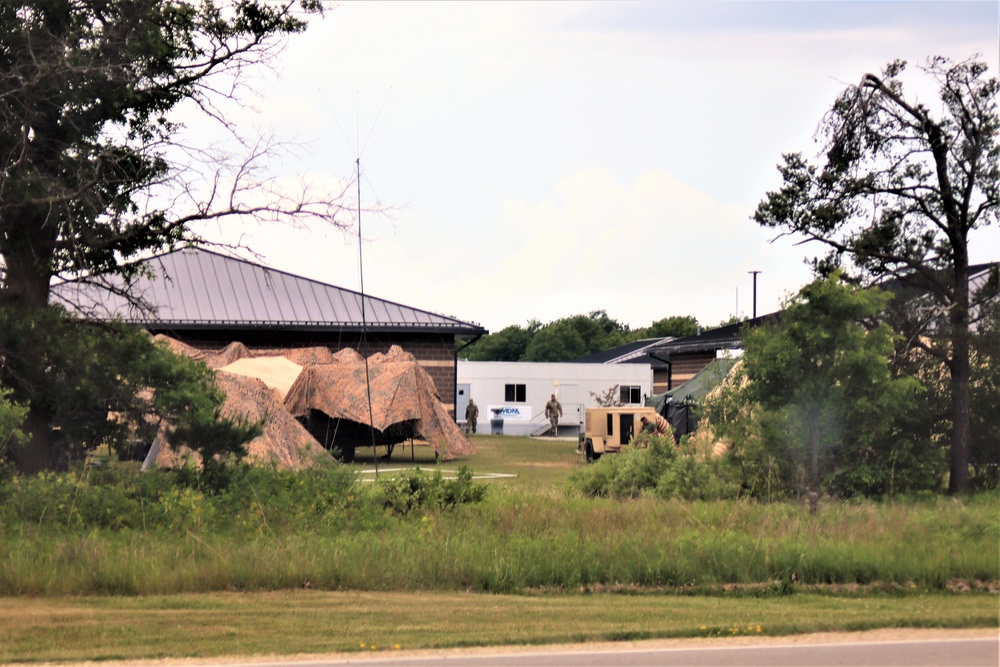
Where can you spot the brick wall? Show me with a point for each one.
(686, 366)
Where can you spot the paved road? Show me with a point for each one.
(919, 653)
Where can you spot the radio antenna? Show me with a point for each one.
(364, 323)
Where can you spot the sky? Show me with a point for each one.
(534, 160)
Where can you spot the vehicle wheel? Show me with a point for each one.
(588, 449)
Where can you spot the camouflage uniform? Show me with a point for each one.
(471, 416)
(659, 425)
(553, 411)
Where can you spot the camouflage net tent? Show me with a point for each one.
(404, 404)
(675, 405)
(278, 373)
(705, 440)
(329, 393)
(284, 442)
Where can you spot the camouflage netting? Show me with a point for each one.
(401, 391)
(310, 356)
(278, 373)
(285, 442)
(227, 355)
(177, 347)
(704, 439)
(404, 397)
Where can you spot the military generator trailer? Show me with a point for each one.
(607, 430)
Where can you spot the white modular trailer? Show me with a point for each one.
(517, 391)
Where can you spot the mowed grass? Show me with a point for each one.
(314, 622)
(531, 463)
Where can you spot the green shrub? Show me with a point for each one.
(415, 491)
(12, 416)
(693, 479)
(254, 499)
(655, 465)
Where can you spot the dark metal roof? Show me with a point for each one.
(194, 288)
(721, 338)
(635, 352)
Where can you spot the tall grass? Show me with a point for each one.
(128, 535)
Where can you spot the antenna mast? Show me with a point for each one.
(364, 323)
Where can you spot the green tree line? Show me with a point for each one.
(571, 337)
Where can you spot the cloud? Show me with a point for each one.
(644, 251)
(549, 159)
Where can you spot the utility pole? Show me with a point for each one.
(755, 292)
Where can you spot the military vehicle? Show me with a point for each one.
(607, 430)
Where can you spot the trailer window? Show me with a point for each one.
(514, 393)
(631, 394)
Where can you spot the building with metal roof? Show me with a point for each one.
(674, 361)
(208, 300)
(636, 352)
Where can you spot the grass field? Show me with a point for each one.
(303, 622)
(531, 463)
(260, 574)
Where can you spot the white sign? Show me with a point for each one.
(516, 413)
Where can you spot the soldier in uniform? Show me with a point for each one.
(553, 411)
(471, 416)
(659, 425)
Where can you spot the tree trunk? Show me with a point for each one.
(959, 479)
(26, 286)
(36, 454)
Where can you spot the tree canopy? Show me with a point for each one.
(571, 337)
(896, 193)
(94, 174)
(827, 411)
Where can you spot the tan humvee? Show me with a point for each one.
(607, 430)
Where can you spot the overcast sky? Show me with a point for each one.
(545, 160)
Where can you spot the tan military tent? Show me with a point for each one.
(404, 400)
(284, 442)
(278, 373)
(283, 384)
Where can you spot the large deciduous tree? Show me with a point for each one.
(508, 344)
(92, 170)
(676, 326)
(817, 382)
(896, 192)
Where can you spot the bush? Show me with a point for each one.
(655, 465)
(269, 499)
(415, 491)
(255, 500)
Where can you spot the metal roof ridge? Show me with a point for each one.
(197, 249)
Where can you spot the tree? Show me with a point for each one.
(576, 336)
(820, 385)
(571, 337)
(90, 157)
(80, 372)
(558, 341)
(508, 344)
(897, 192)
(985, 426)
(12, 417)
(609, 398)
(676, 327)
